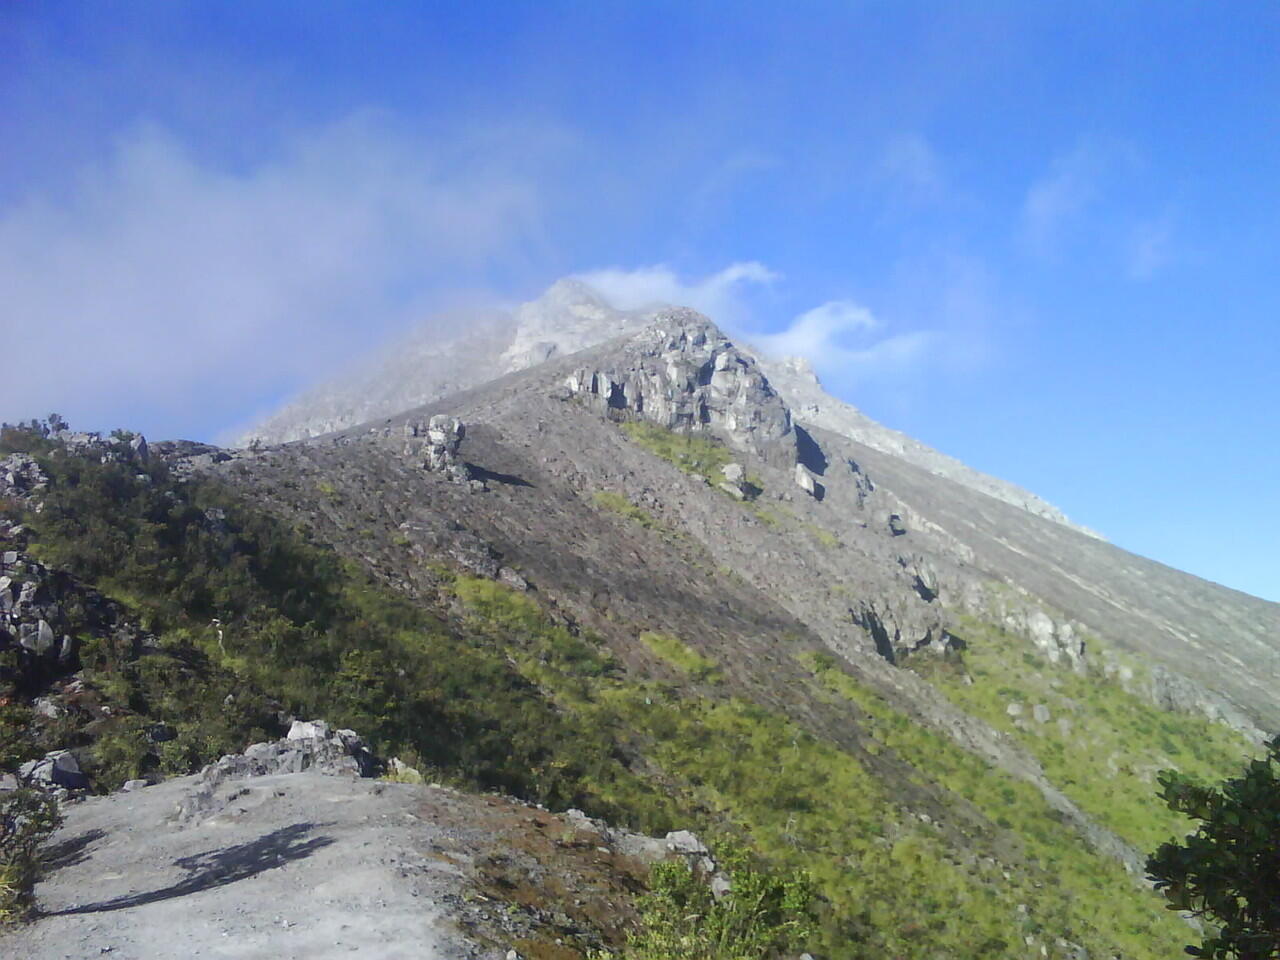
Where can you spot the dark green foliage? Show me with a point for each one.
(27, 818)
(1228, 871)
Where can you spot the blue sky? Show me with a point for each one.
(1040, 237)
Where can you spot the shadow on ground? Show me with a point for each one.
(220, 867)
(67, 852)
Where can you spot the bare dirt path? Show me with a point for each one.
(298, 865)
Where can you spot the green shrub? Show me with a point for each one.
(765, 914)
(27, 818)
(1226, 871)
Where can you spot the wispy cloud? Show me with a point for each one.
(847, 344)
(160, 283)
(1149, 248)
(1058, 198)
(911, 167)
(723, 296)
(1091, 202)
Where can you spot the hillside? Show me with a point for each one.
(636, 580)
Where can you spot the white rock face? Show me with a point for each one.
(683, 374)
(804, 479)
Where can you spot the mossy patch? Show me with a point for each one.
(617, 503)
(679, 654)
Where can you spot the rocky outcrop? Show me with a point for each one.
(21, 476)
(310, 746)
(434, 444)
(899, 626)
(34, 624)
(683, 374)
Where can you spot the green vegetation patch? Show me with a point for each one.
(617, 503)
(679, 654)
(694, 453)
(1102, 746)
(1067, 888)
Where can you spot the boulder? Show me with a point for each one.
(310, 747)
(57, 769)
(308, 730)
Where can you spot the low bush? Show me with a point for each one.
(27, 818)
(765, 914)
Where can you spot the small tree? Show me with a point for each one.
(1228, 871)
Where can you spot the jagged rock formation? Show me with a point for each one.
(683, 374)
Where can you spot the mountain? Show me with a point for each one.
(637, 579)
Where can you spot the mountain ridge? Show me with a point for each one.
(568, 317)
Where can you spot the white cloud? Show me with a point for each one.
(158, 283)
(842, 339)
(844, 342)
(722, 296)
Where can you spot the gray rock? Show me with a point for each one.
(37, 637)
(720, 885)
(132, 785)
(1040, 713)
(733, 472)
(684, 841)
(683, 374)
(58, 768)
(804, 479)
(308, 730)
(311, 746)
(733, 490)
(1014, 709)
(10, 557)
